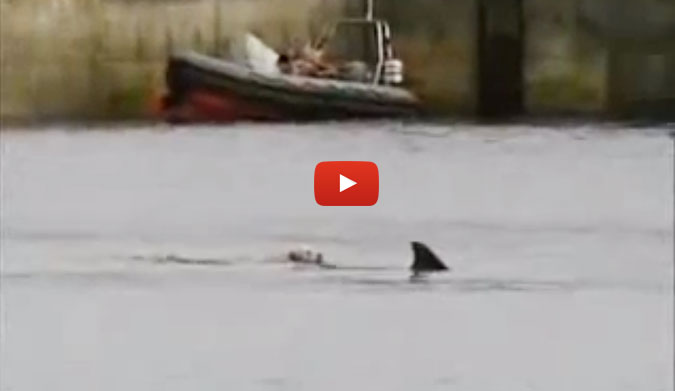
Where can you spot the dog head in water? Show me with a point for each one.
(305, 255)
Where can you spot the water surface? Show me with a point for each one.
(148, 259)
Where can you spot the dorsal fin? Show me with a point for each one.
(425, 260)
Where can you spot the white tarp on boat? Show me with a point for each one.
(248, 50)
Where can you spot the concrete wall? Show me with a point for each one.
(436, 39)
(565, 66)
(93, 59)
(571, 47)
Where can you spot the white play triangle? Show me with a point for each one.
(345, 183)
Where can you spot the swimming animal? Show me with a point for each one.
(305, 255)
(424, 260)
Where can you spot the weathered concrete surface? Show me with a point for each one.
(437, 41)
(564, 66)
(81, 59)
(568, 46)
(572, 47)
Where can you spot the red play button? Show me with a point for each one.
(346, 183)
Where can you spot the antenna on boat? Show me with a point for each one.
(369, 9)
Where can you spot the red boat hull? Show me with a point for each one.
(207, 106)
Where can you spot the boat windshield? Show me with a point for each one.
(352, 41)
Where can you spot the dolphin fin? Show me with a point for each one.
(425, 260)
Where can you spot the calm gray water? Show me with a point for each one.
(148, 259)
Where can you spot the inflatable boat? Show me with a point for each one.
(249, 87)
